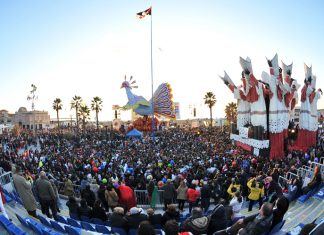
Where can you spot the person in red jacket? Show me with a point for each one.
(193, 196)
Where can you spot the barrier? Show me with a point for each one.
(282, 181)
(291, 175)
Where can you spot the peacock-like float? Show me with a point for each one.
(162, 100)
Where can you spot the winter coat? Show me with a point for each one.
(170, 215)
(68, 188)
(169, 191)
(117, 220)
(192, 195)
(196, 225)
(45, 190)
(24, 190)
(255, 192)
(229, 190)
(182, 193)
(256, 225)
(111, 198)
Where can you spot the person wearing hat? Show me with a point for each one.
(197, 223)
(24, 190)
(135, 217)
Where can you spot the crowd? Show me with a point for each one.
(190, 166)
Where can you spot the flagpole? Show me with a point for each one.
(153, 138)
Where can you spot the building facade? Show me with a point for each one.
(5, 117)
(31, 120)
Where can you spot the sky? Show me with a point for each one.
(85, 48)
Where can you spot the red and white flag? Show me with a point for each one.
(142, 14)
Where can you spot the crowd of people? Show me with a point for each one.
(199, 167)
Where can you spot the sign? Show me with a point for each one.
(244, 132)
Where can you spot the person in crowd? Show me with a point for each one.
(68, 187)
(315, 182)
(73, 206)
(24, 190)
(88, 195)
(280, 208)
(150, 189)
(135, 217)
(117, 218)
(197, 223)
(257, 224)
(193, 195)
(46, 194)
(169, 193)
(171, 228)
(155, 219)
(218, 220)
(126, 197)
(145, 228)
(233, 188)
(57, 202)
(182, 195)
(111, 197)
(293, 185)
(205, 194)
(170, 214)
(255, 192)
(94, 187)
(98, 211)
(102, 196)
(84, 209)
(236, 204)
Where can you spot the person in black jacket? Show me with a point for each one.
(205, 194)
(217, 218)
(84, 210)
(98, 211)
(88, 195)
(170, 214)
(101, 196)
(155, 219)
(135, 218)
(73, 206)
(117, 218)
(169, 193)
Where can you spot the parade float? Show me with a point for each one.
(266, 110)
(160, 105)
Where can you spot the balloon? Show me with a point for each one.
(233, 163)
(104, 181)
(95, 169)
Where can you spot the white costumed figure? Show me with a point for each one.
(243, 106)
(277, 111)
(255, 95)
(306, 131)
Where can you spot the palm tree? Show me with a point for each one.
(57, 105)
(84, 113)
(231, 112)
(96, 105)
(75, 104)
(210, 101)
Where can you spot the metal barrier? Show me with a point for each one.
(291, 175)
(76, 189)
(282, 181)
(321, 166)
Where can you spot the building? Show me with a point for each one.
(31, 120)
(5, 117)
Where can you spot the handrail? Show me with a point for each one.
(291, 175)
(283, 179)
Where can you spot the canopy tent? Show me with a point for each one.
(135, 133)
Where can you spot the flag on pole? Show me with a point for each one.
(142, 14)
